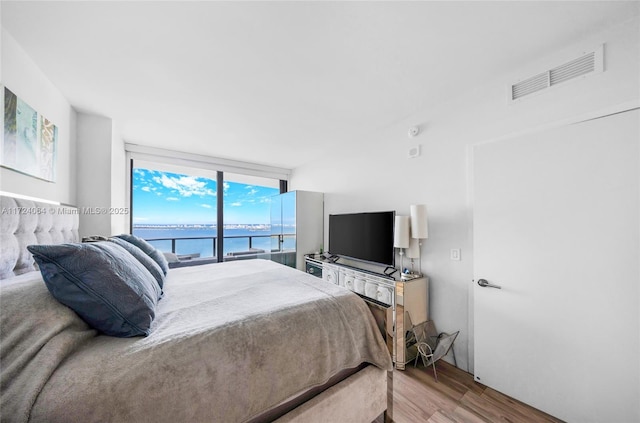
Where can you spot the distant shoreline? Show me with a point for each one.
(200, 239)
(254, 226)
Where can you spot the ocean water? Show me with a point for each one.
(235, 239)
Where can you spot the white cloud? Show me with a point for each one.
(146, 189)
(253, 191)
(186, 186)
(236, 204)
(206, 206)
(172, 199)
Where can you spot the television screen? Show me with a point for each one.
(363, 236)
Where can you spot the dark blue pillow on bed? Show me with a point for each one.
(149, 249)
(143, 258)
(111, 290)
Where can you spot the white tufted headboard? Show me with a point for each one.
(26, 222)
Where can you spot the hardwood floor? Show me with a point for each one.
(455, 398)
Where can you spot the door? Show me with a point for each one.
(556, 227)
(289, 228)
(276, 227)
(283, 228)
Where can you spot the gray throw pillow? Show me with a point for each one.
(149, 249)
(111, 290)
(143, 258)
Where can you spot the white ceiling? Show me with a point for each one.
(277, 82)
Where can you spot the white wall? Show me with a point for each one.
(21, 75)
(101, 176)
(119, 222)
(94, 173)
(381, 177)
(90, 168)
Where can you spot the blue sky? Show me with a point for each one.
(165, 198)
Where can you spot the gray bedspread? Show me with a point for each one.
(229, 341)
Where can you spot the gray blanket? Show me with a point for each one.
(229, 341)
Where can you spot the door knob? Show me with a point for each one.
(483, 283)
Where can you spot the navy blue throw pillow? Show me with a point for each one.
(111, 290)
(143, 258)
(149, 249)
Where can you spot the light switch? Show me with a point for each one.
(455, 254)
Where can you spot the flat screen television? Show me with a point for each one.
(363, 236)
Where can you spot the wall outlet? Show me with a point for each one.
(455, 254)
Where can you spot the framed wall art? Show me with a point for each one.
(29, 139)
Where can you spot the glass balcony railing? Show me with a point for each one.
(235, 246)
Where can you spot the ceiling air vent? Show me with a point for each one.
(586, 64)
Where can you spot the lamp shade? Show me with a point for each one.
(419, 224)
(401, 232)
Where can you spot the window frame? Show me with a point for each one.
(199, 162)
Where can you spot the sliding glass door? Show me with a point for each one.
(246, 214)
(175, 208)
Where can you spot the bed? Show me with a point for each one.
(244, 341)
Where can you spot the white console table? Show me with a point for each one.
(392, 301)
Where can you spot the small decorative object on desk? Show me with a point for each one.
(407, 275)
